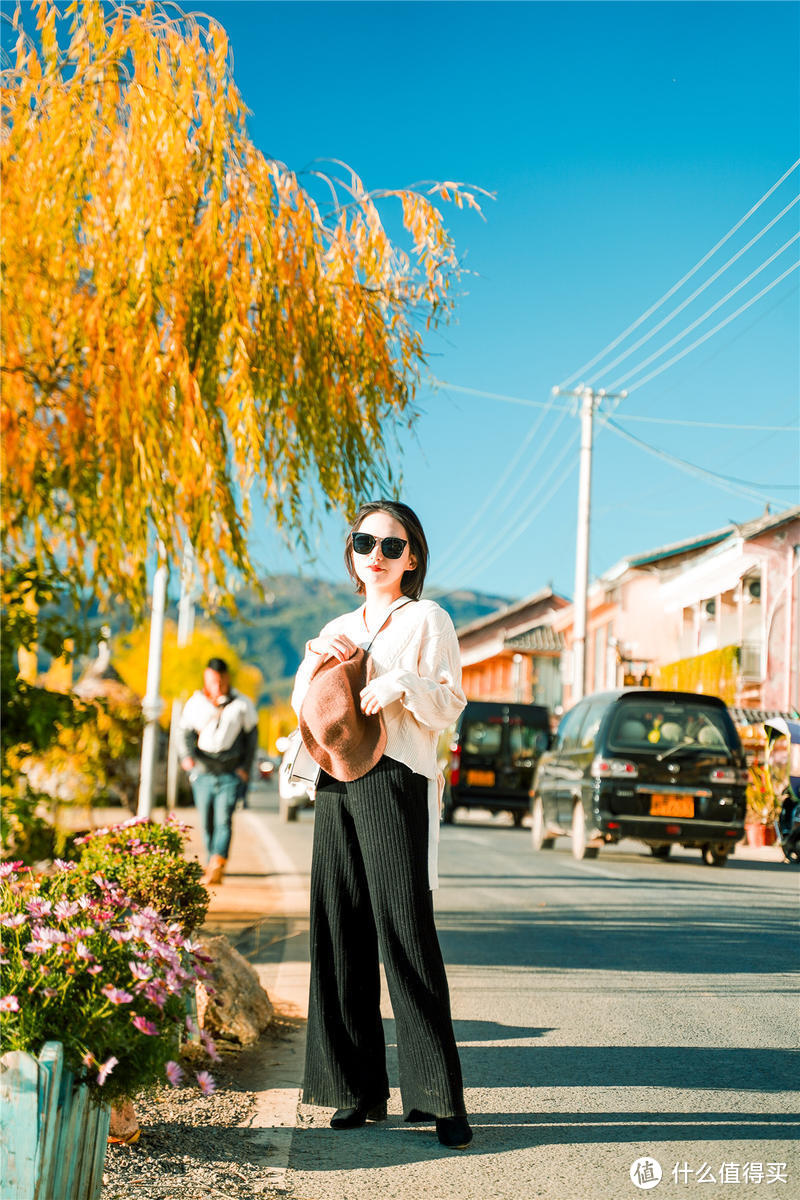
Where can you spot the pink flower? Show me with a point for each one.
(61, 865)
(9, 1004)
(39, 908)
(106, 1069)
(140, 971)
(145, 1026)
(66, 909)
(9, 922)
(156, 993)
(95, 970)
(174, 1073)
(116, 995)
(211, 1049)
(206, 1083)
(83, 951)
(10, 868)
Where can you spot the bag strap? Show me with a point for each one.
(392, 610)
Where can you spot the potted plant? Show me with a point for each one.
(107, 978)
(763, 807)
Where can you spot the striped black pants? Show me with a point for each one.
(369, 890)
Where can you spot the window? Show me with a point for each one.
(479, 737)
(525, 741)
(570, 727)
(644, 724)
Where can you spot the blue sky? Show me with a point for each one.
(622, 142)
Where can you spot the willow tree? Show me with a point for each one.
(185, 319)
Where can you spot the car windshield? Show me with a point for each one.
(667, 726)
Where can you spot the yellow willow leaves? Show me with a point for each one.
(183, 320)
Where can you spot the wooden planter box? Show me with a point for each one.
(52, 1137)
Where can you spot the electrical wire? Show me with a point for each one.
(685, 303)
(675, 287)
(704, 316)
(521, 478)
(688, 349)
(726, 482)
(502, 537)
(628, 416)
(501, 481)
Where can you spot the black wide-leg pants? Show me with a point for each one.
(369, 890)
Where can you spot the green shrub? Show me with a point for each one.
(146, 860)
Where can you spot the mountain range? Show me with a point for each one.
(271, 633)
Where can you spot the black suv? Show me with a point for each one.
(494, 751)
(664, 767)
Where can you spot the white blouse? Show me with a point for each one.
(416, 671)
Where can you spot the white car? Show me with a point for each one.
(291, 796)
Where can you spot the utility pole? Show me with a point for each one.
(588, 400)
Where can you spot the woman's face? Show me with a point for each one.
(375, 570)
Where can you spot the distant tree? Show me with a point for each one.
(182, 666)
(183, 319)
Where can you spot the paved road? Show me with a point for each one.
(606, 1011)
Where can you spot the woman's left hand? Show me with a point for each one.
(378, 694)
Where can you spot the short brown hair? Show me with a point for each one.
(412, 581)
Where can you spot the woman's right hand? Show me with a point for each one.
(337, 646)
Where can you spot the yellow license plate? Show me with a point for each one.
(671, 806)
(480, 778)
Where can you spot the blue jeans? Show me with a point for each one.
(215, 800)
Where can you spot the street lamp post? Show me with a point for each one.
(153, 703)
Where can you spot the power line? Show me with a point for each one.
(528, 403)
(699, 320)
(726, 482)
(676, 357)
(500, 483)
(675, 287)
(517, 485)
(685, 303)
(505, 539)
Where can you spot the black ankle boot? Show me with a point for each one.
(354, 1118)
(454, 1132)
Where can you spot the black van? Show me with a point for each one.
(494, 751)
(666, 768)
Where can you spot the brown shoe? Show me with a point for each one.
(215, 871)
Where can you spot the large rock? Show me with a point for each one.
(240, 1009)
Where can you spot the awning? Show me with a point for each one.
(712, 575)
(757, 716)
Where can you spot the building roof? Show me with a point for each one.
(502, 615)
(703, 541)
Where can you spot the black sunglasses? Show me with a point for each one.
(391, 547)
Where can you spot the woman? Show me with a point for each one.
(375, 842)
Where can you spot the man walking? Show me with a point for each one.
(217, 743)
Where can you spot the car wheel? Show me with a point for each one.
(661, 851)
(286, 809)
(538, 839)
(579, 847)
(714, 856)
